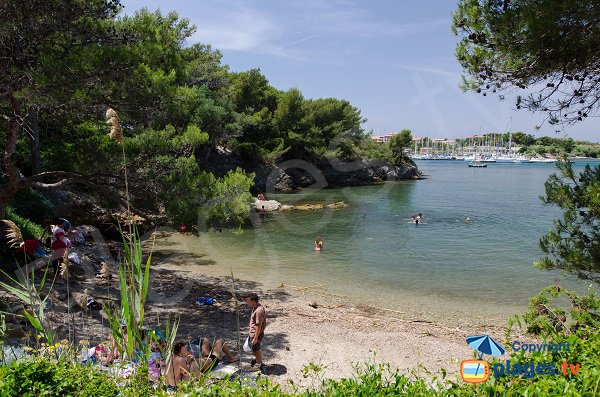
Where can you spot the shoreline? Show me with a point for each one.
(309, 336)
(447, 310)
(327, 336)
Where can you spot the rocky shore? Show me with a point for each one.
(292, 175)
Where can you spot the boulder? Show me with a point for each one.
(265, 205)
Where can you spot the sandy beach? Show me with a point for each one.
(302, 330)
(304, 325)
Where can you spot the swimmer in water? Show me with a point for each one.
(318, 243)
(468, 220)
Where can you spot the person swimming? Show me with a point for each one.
(318, 244)
(468, 220)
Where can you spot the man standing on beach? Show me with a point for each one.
(258, 321)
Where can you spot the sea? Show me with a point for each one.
(445, 270)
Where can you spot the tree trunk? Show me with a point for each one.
(10, 150)
(34, 130)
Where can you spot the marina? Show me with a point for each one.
(478, 148)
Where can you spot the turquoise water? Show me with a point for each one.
(443, 269)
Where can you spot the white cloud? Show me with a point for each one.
(245, 26)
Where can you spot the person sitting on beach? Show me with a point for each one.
(183, 365)
(318, 243)
(106, 353)
(261, 197)
(156, 363)
(211, 355)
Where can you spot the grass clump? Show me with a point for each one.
(30, 230)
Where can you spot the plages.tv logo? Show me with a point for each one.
(478, 371)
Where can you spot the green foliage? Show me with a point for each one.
(30, 204)
(29, 229)
(37, 376)
(186, 189)
(398, 143)
(520, 138)
(573, 243)
(176, 103)
(134, 277)
(577, 315)
(370, 149)
(35, 305)
(250, 92)
(231, 205)
(54, 59)
(57, 378)
(550, 44)
(72, 151)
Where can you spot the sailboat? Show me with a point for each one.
(477, 163)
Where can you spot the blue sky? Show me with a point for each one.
(394, 60)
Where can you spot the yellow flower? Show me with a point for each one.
(28, 348)
(84, 342)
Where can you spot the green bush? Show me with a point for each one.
(35, 377)
(39, 377)
(249, 152)
(32, 205)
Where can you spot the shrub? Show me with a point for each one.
(31, 204)
(28, 228)
(39, 377)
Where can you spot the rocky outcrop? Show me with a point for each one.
(296, 174)
(273, 205)
(292, 175)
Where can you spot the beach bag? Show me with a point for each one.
(205, 300)
(247, 345)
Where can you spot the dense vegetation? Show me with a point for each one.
(574, 241)
(67, 62)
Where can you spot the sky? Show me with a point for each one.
(393, 60)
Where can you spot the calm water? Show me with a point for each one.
(444, 269)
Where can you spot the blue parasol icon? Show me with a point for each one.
(485, 345)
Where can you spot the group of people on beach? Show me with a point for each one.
(185, 365)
